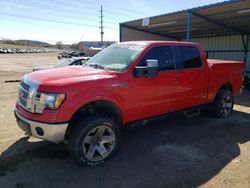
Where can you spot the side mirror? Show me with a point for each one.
(150, 70)
(152, 66)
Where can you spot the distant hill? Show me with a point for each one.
(26, 43)
(96, 44)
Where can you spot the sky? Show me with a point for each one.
(78, 20)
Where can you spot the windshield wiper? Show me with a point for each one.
(95, 65)
(85, 63)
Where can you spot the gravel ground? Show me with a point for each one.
(174, 152)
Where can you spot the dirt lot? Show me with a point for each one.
(174, 152)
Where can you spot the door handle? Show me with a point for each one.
(178, 75)
(176, 80)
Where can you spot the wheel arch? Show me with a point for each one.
(225, 86)
(102, 106)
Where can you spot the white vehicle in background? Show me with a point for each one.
(69, 62)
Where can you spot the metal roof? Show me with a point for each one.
(225, 18)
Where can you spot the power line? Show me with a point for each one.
(12, 19)
(52, 20)
(121, 13)
(57, 9)
(46, 6)
(113, 8)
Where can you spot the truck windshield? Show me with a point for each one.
(116, 57)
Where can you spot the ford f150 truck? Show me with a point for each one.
(86, 106)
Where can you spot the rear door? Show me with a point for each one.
(192, 77)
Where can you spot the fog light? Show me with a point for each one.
(39, 131)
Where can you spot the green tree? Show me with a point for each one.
(59, 45)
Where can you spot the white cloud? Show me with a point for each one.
(6, 9)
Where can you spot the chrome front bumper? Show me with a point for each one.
(46, 131)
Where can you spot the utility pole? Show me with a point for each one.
(102, 33)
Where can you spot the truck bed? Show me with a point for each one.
(223, 71)
(219, 61)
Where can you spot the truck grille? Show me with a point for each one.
(23, 93)
(27, 92)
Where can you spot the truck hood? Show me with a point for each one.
(69, 75)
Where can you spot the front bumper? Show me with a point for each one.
(46, 131)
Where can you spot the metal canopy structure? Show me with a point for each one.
(220, 19)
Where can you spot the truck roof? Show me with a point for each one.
(149, 42)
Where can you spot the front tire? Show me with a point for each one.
(94, 140)
(223, 104)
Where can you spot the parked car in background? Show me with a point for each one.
(3, 50)
(78, 54)
(68, 62)
(65, 54)
(69, 54)
(60, 55)
(25, 50)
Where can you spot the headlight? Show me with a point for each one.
(50, 101)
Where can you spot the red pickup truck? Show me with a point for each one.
(86, 106)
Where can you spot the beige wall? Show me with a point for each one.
(132, 35)
(231, 42)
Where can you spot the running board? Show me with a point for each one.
(191, 112)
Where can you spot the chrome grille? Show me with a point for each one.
(23, 93)
(25, 86)
(27, 93)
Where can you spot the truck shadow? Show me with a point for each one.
(243, 99)
(174, 152)
(23, 150)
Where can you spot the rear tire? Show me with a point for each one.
(94, 140)
(223, 104)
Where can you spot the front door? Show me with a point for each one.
(154, 96)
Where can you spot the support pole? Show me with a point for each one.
(189, 25)
(120, 33)
(207, 54)
(102, 33)
(246, 51)
(245, 45)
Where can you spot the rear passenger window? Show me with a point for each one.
(190, 57)
(163, 54)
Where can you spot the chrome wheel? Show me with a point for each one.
(99, 143)
(226, 105)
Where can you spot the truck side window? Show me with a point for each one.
(163, 54)
(190, 57)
